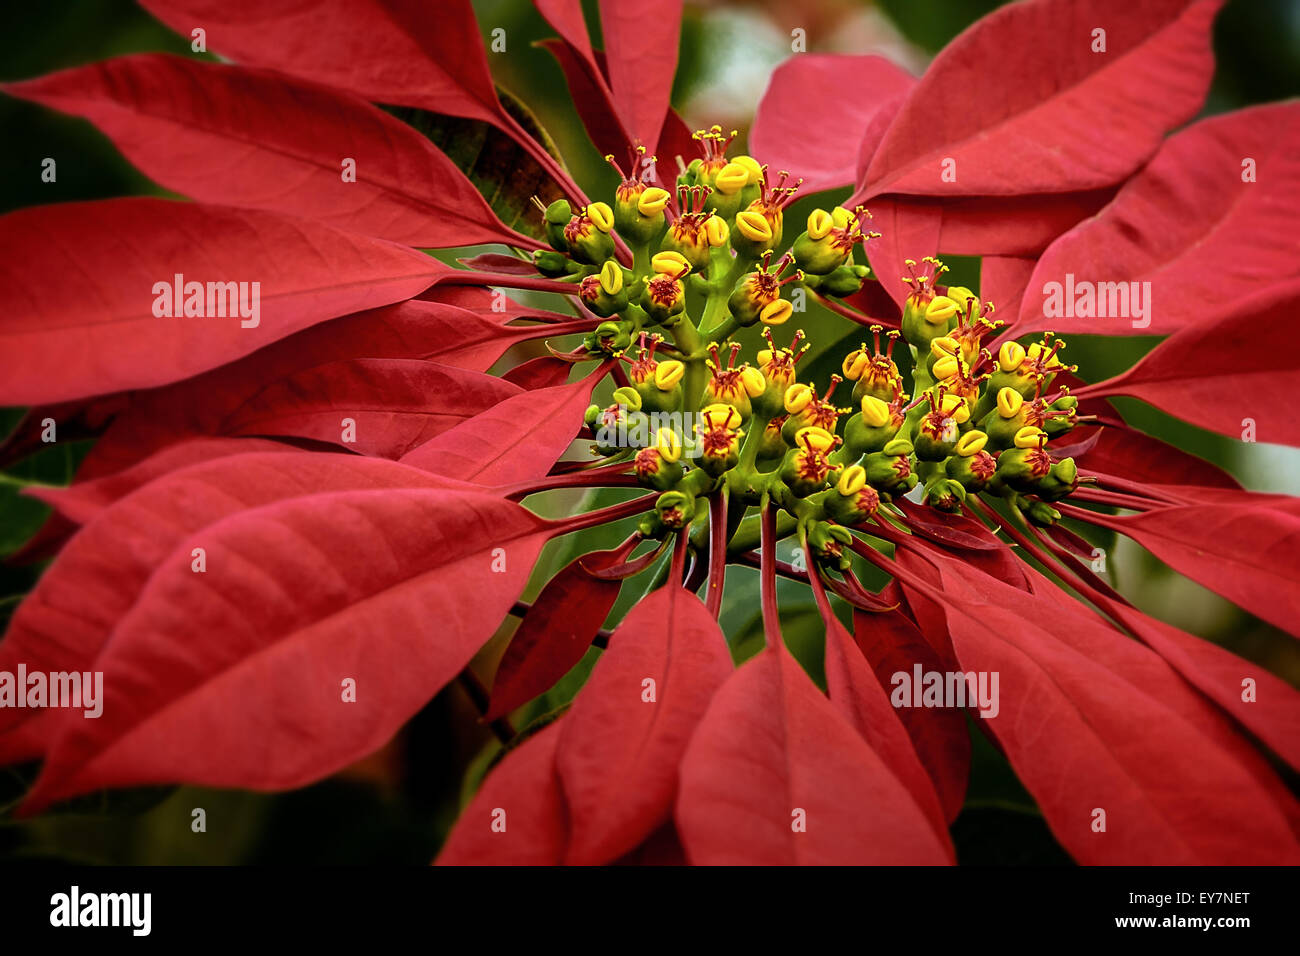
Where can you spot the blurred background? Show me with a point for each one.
(397, 805)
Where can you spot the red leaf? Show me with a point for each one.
(892, 644)
(518, 817)
(68, 617)
(519, 439)
(952, 531)
(1013, 225)
(641, 59)
(414, 53)
(83, 501)
(1247, 551)
(544, 372)
(501, 263)
(450, 335)
(1072, 690)
(771, 745)
(393, 588)
(390, 405)
(81, 283)
(1050, 115)
(1003, 280)
(1138, 457)
(815, 144)
(555, 633)
(909, 230)
(856, 693)
(618, 754)
(594, 102)
(1190, 226)
(1273, 712)
(1217, 374)
(242, 137)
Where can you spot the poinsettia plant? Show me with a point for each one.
(327, 463)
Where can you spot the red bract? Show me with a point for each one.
(329, 500)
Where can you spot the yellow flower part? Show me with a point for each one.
(1011, 356)
(721, 415)
(716, 231)
(601, 216)
(753, 169)
(971, 443)
(820, 224)
(797, 398)
(731, 178)
(947, 367)
(815, 439)
(628, 397)
(875, 413)
(855, 363)
(669, 263)
(852, 480)
(944, 345)
(652, 201)
(1009, 402)
(776, 313)
(668, 374)
(668, 444)
(940, 310)
(611, 278)
(753, 381)
(754, 226)
(1028, 437)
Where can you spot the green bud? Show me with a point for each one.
(557, 217)
(675, 509)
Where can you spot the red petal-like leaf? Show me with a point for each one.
(1271, 709)
(82, 501)
(1021, 104)
(415, 53)
(1247, 551)
(594, 102)
(1003, 280)
(68, 617)
(1192, 224)
(815, 144)
(1219, 374)
(544, 372)
(1135, 456)
(243, 137)
(385, 593)
(518, 817)
(383, 407)
(555, 633)
(623, 739)
(892, 644)
(1071, 692)
(857, 695)
(80, 278)
(909, 230)
(641, 59)
(771, 755)
(1013, 225)
(519, 439)
(447, 334)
